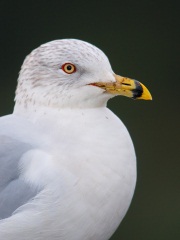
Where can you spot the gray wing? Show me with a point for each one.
(14, 192)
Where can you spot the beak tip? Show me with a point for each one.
(146, 95)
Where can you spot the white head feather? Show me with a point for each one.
(43, 82)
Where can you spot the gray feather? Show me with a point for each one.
(14, 192)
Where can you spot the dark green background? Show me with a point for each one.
(141, 39)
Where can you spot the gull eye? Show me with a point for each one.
(68, 68)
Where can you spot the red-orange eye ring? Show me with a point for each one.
(68, 68)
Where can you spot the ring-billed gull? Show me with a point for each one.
(67, 163)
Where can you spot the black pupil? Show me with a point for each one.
(69, 67)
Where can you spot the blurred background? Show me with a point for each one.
(141, 39)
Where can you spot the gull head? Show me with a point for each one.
(71, 73)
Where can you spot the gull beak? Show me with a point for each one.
(125, 87)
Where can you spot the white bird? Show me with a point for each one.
(67, 163)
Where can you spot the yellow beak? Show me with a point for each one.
(126, 87)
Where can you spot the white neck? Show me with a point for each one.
(37, 101)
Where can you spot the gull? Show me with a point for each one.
(67, 163)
